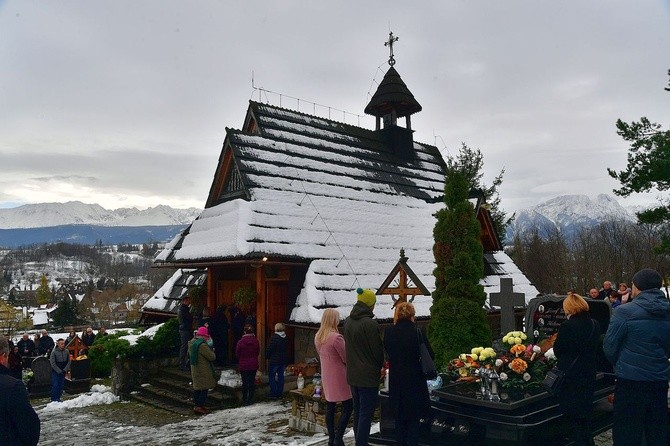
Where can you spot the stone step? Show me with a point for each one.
(218, 395)
(153, 402)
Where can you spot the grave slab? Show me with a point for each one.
(460, 416)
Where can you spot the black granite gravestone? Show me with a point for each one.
(41, 384)
(545, 314)
(79, 380)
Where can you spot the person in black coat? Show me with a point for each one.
(218, 330)
(276, 355)
(408, 391)
(19, 424)
(236, 323)
(26, 346)
(185, 319)
(46, 344)
(576, 348)
(88, 337)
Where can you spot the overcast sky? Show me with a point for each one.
(125, 103)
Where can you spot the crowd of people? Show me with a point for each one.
(205, 344)
(616, 297)
(637, 345)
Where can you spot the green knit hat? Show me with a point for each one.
(367, 296)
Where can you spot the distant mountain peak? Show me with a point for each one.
(569, 213)
(75, 213)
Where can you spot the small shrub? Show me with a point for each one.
(102, 354)
(166, 339)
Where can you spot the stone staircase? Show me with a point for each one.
(171, 390)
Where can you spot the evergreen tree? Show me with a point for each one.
(470, 162)
(458, 320)
(66, 313)
(648, 169)
(43, 293)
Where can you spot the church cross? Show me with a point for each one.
(389, 43)
(507, 299)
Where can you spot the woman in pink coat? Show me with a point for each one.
(330, 346)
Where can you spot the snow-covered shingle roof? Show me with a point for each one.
(168, 297)
(331, 195)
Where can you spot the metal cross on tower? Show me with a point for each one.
(389, 43)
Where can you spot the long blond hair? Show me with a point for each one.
(329, 321)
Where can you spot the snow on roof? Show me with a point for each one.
(168, 296)
(331, 195)
(40, 317)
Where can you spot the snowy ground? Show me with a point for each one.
(77, 421)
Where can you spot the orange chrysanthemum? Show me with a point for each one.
(517, 349)
(518, 365)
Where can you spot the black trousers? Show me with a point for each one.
(335, 434)
(640, 411)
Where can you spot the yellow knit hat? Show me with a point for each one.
(367, 296)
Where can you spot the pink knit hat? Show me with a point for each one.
(202, 331)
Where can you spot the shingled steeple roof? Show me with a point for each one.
(392, 94)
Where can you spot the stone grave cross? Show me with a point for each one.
(507, 299)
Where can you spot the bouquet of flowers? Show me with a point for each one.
(27, 376)
(463, 367)
(523, 367)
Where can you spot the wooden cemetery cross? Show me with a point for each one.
(507, 299)
(406, 284)
(75, 346)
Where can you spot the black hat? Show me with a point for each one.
(646, 279)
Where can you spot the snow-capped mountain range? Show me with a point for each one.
(44, 215)
(569, 213)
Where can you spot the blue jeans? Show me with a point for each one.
(276, 380)
(57, 381)
(365, 403)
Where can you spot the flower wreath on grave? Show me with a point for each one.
(521, 366)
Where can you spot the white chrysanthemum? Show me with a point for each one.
(526, 376)
(549, 354)
(503, 376)
(537, 349)
(499, 362)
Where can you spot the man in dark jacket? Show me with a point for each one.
(185, 330)
(637, 343)
(26, 346)
(365, 357)
(19, 424)
(276, 354)
(46, 344)
(88, 338)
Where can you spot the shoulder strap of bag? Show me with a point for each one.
(593, 327)
(419, 335)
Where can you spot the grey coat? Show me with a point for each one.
(60, 356)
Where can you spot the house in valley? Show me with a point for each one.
(303, 210)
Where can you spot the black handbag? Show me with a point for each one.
(555, 377)
(427, 364)
(554, 380)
